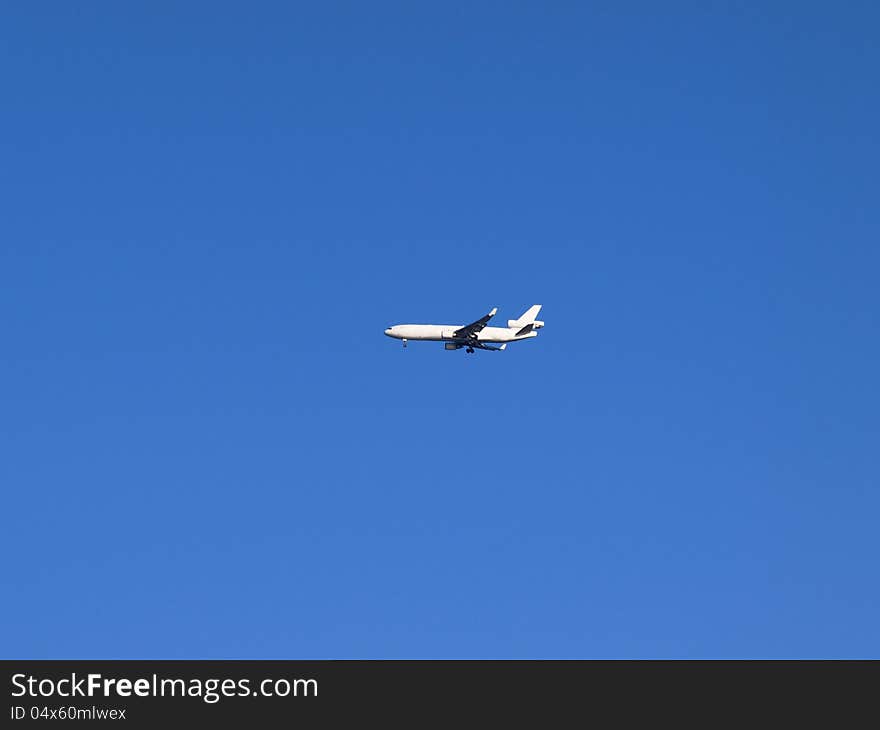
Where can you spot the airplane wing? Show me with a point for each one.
(469, 331)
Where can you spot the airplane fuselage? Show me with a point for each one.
(445, 333)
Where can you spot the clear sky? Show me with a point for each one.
(211, 212)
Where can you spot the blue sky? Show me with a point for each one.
(211, 211)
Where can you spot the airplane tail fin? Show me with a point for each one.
(527, 318)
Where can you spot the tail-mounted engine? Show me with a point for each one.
(525, 328)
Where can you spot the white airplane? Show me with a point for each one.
(474, 335)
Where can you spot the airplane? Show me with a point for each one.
(474, 335)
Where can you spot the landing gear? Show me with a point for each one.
(469, 350)
(404, 341)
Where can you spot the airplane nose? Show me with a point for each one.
(388, 331)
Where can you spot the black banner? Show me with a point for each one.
(412, 692)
